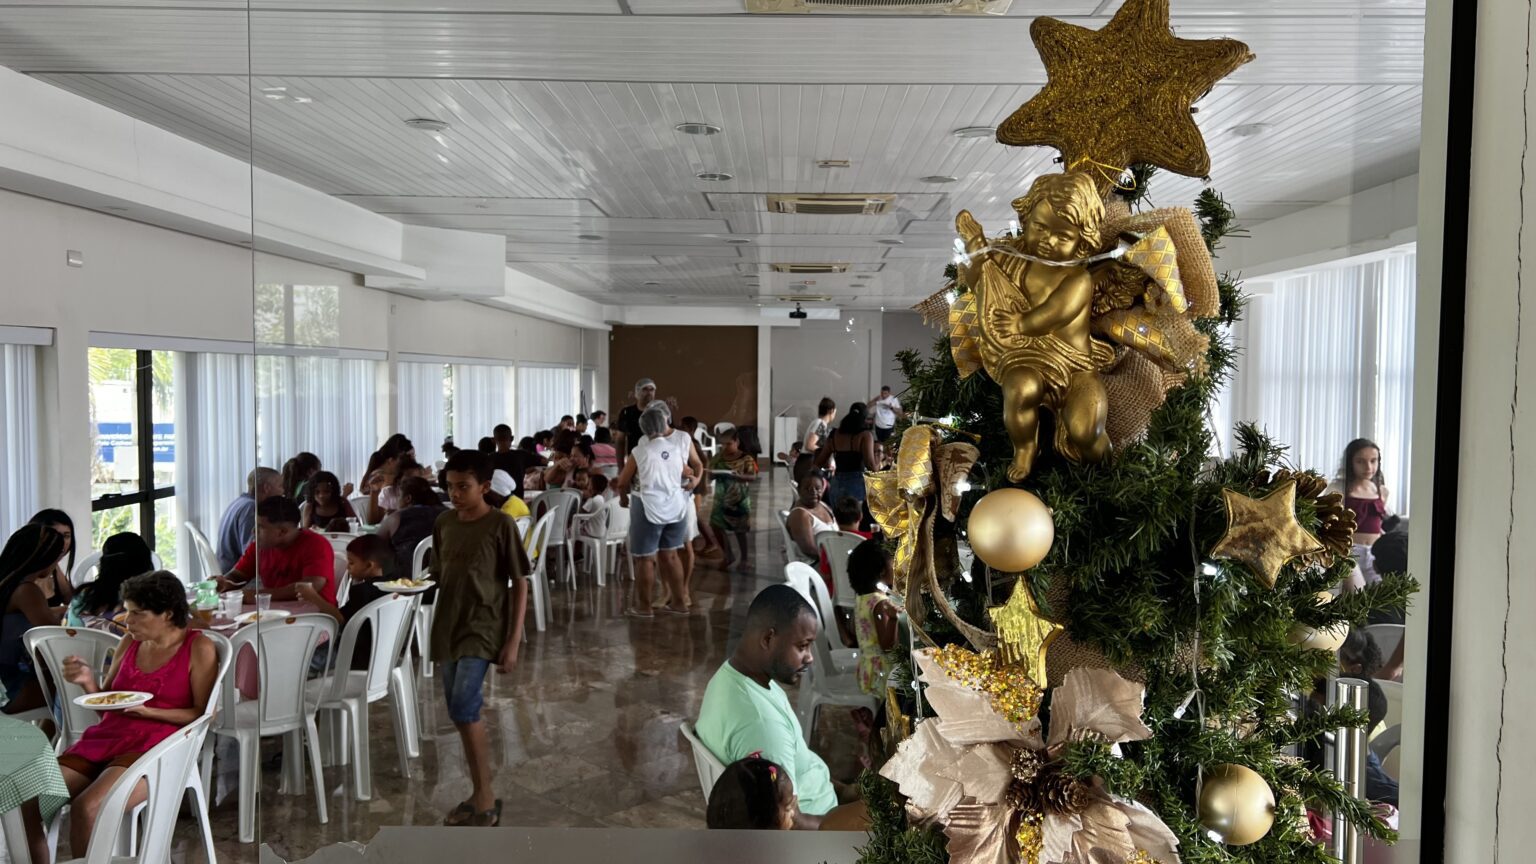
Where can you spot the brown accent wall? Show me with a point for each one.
(712, 371)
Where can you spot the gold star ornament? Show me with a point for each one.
(1023, 636)
(1263, 532)
(1122, 95)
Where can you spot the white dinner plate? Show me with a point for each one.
(399, 586)
(108, 700)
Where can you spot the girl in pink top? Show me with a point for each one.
(160, 656)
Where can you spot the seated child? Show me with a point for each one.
(370, 560)
(870, 572)
(596, 501)
(753, 793)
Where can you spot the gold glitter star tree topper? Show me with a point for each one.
(1122, 95)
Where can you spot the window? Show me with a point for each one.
(322, 405)
(216, 436)
(18, 434)
(133, 447)
(482, 398)
(1328, 357)
(424, 404)
(544, 395)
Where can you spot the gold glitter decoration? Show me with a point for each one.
(1023, 634)
(964, 328)
(935, 307)
(1141, 857)
(1025, 765)
(1122, 94)
(1030, 838)
(1263, 532)
(1012, 693)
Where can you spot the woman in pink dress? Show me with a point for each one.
(160, 655)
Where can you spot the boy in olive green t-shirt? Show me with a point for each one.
(482, 592)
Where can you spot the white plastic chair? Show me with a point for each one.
(343, 580)
(165, 769)
(303, 511)
(538, 581)
(48, 646)
(834, 676)
(618, 536)
(707, 447)
(205, 553)
(284, 707)
(424, 611)
(360, 507)
(792, 553)
(837, 546)
(565, 503)
(595, 535)
(348, 693)
(85, 568)
(705, 762)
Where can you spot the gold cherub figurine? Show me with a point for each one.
(1034, 319)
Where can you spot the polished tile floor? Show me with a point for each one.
(585, 731)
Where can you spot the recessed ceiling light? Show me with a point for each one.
(303, 100)
(737, 241)
(589, 236)
(274, 89)
(1248, 130)
(441, 158)
(427, 124)
(650, 284)
(833, 163)
(714, 176)
(698, 128)
(892, 242)
(275, 95)
(938, 178)
(974, 132)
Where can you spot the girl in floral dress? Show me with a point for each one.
(874, 615)
(734, 472)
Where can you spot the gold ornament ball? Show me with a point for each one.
(1011, 530)
(1236, 805)
(1320, 638)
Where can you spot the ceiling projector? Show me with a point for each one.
(799, 313)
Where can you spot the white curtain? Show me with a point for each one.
(544, 395)
(324, 405)
(215, 440)
(18, 434)
(1327, 357)
(423, 404)
(482, 398)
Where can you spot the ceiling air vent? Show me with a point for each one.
(939, 7)
(830, 204)
(808, 268)
(804, 298)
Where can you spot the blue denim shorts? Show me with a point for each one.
(645, 536)
(463, 680)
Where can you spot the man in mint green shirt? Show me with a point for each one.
(745, 709)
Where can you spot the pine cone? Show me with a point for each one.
(1336, 530)
(1026, 765)
(1061, 793)
(1021, 797)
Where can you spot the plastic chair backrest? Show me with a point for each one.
(618, 519)
(538, 541)
(705, 762)
(565, 502)
(804, 578)
(226, 654)
(165, 769)
(85, 568)
(343, 579)
(283, 651)
(48, 646)
(389, 619)
(205, 553)
(360, 507)
(791, 548)
(419, 558)
(303, 511)
(837, 546)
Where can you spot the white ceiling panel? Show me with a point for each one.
(561, 118)
(1360, 49)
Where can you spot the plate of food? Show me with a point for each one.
(113, 700)
(269, 615)
(406, 586)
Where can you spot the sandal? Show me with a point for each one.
(461, 815)
(488, 818)
(668, 610)
(632, 612)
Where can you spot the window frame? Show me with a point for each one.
(144, 439)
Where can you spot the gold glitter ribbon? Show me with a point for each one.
(964, 331)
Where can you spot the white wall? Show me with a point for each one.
(902, 331)
(822, 358)
(148, 281)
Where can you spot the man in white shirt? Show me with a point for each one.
(887, 410)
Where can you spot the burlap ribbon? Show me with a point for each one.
(956, 771)
(905, 502)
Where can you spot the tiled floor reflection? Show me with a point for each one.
(585, 730)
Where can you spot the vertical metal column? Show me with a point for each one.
(1349, 766)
